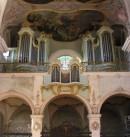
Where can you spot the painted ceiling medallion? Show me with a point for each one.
(64, 26)
(38, 1)
(91, 1)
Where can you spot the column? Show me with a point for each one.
(36, 125)
(101, 48)
(94, 124)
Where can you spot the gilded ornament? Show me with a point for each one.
(59, 88)
(26, 24)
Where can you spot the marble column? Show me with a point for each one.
(94, 124)
(36, 125)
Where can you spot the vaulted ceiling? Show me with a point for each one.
(78, 15)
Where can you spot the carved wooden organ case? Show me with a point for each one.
(99, 49)
(65, 76)
(32, 48)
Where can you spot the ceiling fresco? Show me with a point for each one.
(64, 20)
(64, 26)
(38, 1)
(47, 1)
(91, 1)
(16, 10)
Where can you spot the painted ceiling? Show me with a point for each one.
(47, 1)
(38, 1)
(64, 16)
(64, 26)
(91, 1)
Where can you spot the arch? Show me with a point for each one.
(19, 110)
(53, 97)
(110, 94)
(59, 113)
(66, 52)
(3, 4)
(13, 93)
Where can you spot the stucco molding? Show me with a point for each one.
(59, 88)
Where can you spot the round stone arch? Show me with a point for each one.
(13, 93)
(65, 52)
(3, 4)
(120, 92)
(78, 97)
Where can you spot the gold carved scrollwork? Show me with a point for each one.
(58, 88)
(26, 24)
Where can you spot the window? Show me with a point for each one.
(65, 61)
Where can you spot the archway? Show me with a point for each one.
(66, 116)
(115, 113)
(15, 116)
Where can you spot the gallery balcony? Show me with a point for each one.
(33, 67)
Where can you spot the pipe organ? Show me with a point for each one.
(88, 49)
(71, 75)
(100, 53)
(25, 45)
(32, 49)
(106, 44)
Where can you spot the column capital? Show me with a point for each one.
(37, 116)
(94, 116)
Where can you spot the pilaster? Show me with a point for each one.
(94, 124)
(36, 125)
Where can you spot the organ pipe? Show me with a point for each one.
(106, 44)
(28, 50)
(88, 49)
(42, 51)
(25, 44)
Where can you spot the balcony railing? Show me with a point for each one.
(24, 67)
(45, 67)
(15, 134)
(62, 134)
(105, 66)
(114, 134)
